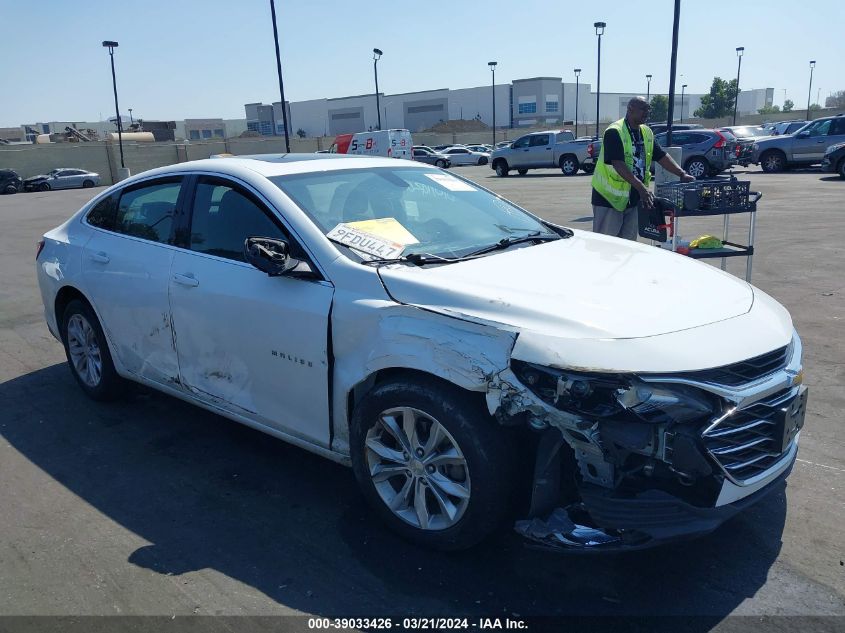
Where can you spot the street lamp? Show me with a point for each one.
(131, 120)
(648, 89)
(739, 51)
(577, 92)
(599, 32)
(376, 56)
(493, 69)
(111, 46)
(809, 91)
(281, 83)
(683, 88)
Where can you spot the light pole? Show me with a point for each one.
(648, 89)
(111, 46)
(376, 56)
(577, 92)
(493, 69)
(281, 83)
(683, 88)
(809, 91)
(599, 32)
(131, 120)
(739, 51)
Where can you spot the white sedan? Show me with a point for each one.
(457, 351)
(466, 156)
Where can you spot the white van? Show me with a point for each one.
(389, 143)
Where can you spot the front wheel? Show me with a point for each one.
(431, 462)
(697, 167)
(10, 189)
(501, 168)
(522, 172)
(841, 168)
(440, 163)
(482, 161)
(43, 187)
(569, 165)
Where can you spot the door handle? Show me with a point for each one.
(186, 280)
(100, 258)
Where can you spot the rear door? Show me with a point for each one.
(126, 271)
(540, 152)
(249, 343)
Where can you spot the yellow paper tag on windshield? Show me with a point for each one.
(386, 228)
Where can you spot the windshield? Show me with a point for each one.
(427, 211)
(748, 132)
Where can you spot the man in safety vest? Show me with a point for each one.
(623, 172)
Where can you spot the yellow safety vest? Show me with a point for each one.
(609, 183)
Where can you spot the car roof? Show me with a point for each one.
(269, 165)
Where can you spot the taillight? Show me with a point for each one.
(590, 150)
(738, 150)
(721, 142)
(39, 248)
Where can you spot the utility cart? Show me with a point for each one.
(725, 196)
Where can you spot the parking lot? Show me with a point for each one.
(152, 506)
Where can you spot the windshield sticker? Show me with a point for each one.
(427, 190)
(383, 237)
(451, 183)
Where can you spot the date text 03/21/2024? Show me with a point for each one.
(481, 624)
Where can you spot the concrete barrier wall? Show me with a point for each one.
(31, 160)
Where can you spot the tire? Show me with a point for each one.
(501, 167)
(569, 164)
(841, 168)
(698, 167)
(773, 161)
(10, 189)
(88, 353)
(440, 163)
(87, 184)
(588, 168)
(522, 172)
(474, 482)
(43, 187)
(482, 161)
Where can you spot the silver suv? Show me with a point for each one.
(803, 148)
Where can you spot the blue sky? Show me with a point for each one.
(206, 58)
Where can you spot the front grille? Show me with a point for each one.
(742, 372)
(747, 442)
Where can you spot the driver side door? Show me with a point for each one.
(248, 343)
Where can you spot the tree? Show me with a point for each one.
(815, 106)
(788, 105)
(720, 101)
(301, 133)
(836, 100)
(768, 109)
(659, 108)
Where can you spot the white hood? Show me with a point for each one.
(587, 286)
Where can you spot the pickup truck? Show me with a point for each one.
(541, 150)
(803, 148)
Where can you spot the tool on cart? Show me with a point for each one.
(718, 196)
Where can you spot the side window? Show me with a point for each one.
(147, 211)
(820, 128)
(521, 143)
(539, 140)
(102, 215)
(838, 127)
(223, 216)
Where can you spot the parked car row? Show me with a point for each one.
(805, 147)
(64, 178)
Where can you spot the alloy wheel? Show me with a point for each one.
(84, 350)
(697, 168)
(418, 469)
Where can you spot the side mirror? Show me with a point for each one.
(269, 255)
(803, 134)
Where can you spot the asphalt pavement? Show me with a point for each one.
(151, 506)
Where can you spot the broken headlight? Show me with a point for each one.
(614, 396)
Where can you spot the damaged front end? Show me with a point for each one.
(623, 461)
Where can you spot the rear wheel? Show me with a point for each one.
(841, 168)
(87, 184)
(773, 161)
(697, 167)
(501, 167)
(431, 462)
(10, 189)
(569, 164)
(88, 353)
(482, 161)
(522, 172)
(43, 187)
(440, 163)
